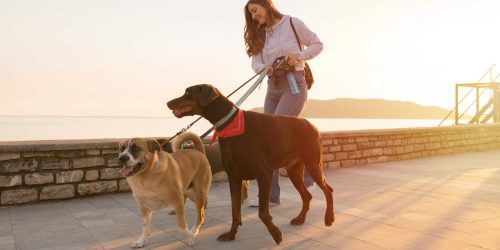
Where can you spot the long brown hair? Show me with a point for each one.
(255, 34)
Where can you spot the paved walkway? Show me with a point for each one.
(446, 202)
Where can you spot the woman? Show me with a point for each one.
(268, 35)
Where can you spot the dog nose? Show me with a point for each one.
(124, 159)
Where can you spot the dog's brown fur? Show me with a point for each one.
(159, 179)
(269, 142)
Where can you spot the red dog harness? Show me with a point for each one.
(235, 128)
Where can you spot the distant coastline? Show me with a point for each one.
(369, 109)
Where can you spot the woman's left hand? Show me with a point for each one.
(292, 60)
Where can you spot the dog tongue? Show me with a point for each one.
(182, 110)
(125, 171)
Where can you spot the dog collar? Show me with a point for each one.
(235, 128)
(226, 118)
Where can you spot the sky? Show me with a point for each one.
(129, 57)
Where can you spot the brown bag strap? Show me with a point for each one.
(295, 32)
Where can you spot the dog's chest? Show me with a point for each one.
(152, 202)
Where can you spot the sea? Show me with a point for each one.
(29, 128)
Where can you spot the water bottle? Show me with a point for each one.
(293, 83)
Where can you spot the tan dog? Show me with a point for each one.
(159, 180)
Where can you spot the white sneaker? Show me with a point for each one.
(311, 188)
(255, 203)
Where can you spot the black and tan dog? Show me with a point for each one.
(159, 180)
(253, 145)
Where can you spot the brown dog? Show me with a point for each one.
(159, 180)
(253, 145)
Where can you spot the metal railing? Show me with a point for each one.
(493, 103)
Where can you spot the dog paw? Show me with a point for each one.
(190, 241)
(329, 219)
(195, 230)
(297, 221)
(229, 236)
(189, 237)
(277, 236)
(137, 244)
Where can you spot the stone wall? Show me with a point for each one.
(354, 148)
(52, 170)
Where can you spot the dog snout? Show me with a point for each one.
(124, 158)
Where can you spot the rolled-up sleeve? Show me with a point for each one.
(307, 38)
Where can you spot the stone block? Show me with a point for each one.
(333, 164)
(93, 152)
(362, 139)
(97, 187)
(377, 151)
(38, 178)
(10, 181)
(409, 149)
(366, 145)
(18, 166)
(361, 162)
(419, 147)
(367, 153)
(110, 151)
(124, 187)
(114, 162)
(92, 175)
(337, 148)
(69, 176)
(355, 154)
(57, 192)
(71, 154)
(37, 154)
(340, 156)
(379, 144)
(400, 150)
(19, 196)
(383, 159)
(327, 142)
(111, 173)
(389, 151)
(328, 157)
(54, 164)
(348, 163)
(349, 147)
(9, 156)
(88, 162)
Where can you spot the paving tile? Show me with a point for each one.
(445, 202)
(10, 246)
(4, 240)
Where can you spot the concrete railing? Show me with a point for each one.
(51, 170)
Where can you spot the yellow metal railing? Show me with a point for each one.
(493, 103)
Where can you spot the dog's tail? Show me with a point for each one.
(187, 136)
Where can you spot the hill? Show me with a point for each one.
(369, 108)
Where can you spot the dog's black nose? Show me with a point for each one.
(124, 159)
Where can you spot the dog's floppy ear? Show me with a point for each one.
(208, 95)
(153, 145)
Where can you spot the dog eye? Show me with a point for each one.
(122, 148)
(135, 148)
